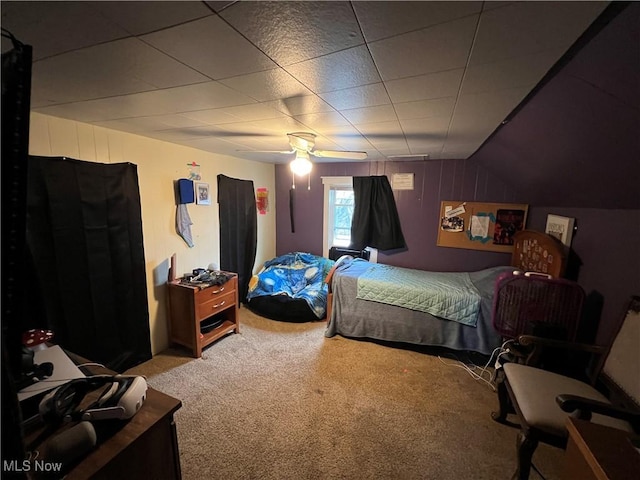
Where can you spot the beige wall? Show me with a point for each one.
(159, 163)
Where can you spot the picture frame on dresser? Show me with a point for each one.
(560, 227)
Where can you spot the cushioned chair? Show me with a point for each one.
(543, 400)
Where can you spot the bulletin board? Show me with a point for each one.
(480, 226)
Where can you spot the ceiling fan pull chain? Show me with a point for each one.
(293, 180)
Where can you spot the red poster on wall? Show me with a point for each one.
(262, 200)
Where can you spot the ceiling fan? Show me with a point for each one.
(302, 144)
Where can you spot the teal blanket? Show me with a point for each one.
(448, 295)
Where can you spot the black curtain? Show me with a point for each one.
(84, 232)
(238, 229)
(16, 98)
(375, 220)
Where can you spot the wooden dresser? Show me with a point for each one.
(193, 309)
(597, 452)
(145, 446)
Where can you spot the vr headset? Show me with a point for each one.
(120, 400)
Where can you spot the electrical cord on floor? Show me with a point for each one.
(537, 471)
(471, 368)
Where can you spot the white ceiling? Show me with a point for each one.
(388, 78)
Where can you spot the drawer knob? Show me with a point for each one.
(217, 291)
(218, 304)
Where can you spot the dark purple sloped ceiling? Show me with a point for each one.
(576, 142)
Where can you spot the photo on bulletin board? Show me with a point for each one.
(508, 222)
(480, 225)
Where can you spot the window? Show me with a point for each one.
(338, 211)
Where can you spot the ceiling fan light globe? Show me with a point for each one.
(301, 166)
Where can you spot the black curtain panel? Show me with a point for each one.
(16, 98)
(84, 232)
(375, 220)
(238, 229)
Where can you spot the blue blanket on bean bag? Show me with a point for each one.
(297, 275)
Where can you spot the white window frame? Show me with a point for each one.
(329, 183)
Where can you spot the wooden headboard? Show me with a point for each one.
(539, 252)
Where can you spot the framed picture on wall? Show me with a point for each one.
(561, 228)
(203, 194)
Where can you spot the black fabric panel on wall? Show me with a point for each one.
(84, 230)
(375, 220)
(238, 229)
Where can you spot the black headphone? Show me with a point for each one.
(122, 398)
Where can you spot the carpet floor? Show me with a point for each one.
(281, 401)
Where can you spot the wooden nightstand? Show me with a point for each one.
(192, 309)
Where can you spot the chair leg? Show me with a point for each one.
(503, 399)
(526, 445)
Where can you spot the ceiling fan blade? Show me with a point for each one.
(301, 140)
(283, 152)
(339, 154)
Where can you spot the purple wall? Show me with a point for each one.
(419, 210)
(607, 242)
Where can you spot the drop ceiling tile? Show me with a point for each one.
(357, 97)
(509, 73)
(116, 68)
(191, 133)
(282, 125)
(201, 96)
(384, 135)
(479, 114)
(386, 19)
(135, 124)
(426, 128)
(39, 24)
(212, 116)
(178, 99)
(218, 6)
(317, 121)
(337, 71)
(228, 54)
(459, 150)
(314, 28)
(426, 148)
(140, 17)
(439, 107)
(442, 47)
(253, 112)
(151, 123)
(213, 145)
(178, 120)
(346, 137)
(91, 110)
(268, 85)
(301, 105)
(425, 87)
(523, 28)
(376, 114)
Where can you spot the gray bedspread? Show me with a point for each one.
(353, 317)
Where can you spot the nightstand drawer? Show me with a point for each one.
(215, 291)
(216, 304)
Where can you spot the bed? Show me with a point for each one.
(356, 314)
(291, 288)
